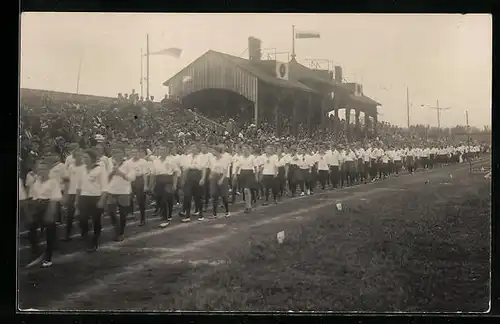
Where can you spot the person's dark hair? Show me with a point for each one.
(92, 154)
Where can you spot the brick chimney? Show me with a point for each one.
(338, 74)
(254, 50)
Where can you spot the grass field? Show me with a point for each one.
(422, 247)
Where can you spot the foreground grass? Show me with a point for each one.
(423, 249)
(404, 254)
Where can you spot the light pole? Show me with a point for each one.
(438, 110)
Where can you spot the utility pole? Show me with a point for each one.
(293, 42)
(408, 106)
(438, 111)
(147, 66)
(78, 75)
(142, 78)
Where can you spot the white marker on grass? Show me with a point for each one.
(280, 237)
(339, 206)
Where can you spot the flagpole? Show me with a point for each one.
(78, 75)
(147, 66)
(142, 78)
(293, 42)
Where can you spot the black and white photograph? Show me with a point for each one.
(254, 162)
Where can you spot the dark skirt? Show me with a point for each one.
(216, 189)
(247, 179)
(164, 184)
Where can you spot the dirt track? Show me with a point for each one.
(101, 281)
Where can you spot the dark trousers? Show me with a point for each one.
(270, 184)
(425, 162)
(89, 210)
(219, 190)
(292, 179)
(312, 178)
(334, 175)
(122, 204)
(383, 170)
(281, 181)
(323, 178)
(193, 191)
(302, 178)
(397, 166)
(43, 216)
(140, 196)
(366, 171)
(373, 168)
(164, 190)
(70, 215)
(206, 189)
(432, 160)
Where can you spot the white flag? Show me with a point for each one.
(299, 35)
(172, 51)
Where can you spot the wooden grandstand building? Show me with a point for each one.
(269, 90)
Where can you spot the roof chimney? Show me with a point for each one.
(338, 74)
(254, 52)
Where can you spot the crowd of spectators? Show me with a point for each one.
(51, 119)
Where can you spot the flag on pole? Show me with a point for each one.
(299, 35)
(172, 51)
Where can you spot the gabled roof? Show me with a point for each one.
(263, 74)
(256, 70)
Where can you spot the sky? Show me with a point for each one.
(445, 57)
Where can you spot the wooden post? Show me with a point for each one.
(309, 114)
(348, 122)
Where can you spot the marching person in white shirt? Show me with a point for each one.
(410, 160)
(164, 175)
(119, 189)
(70, 159)
(75, 170)
(384, 170)
(194, 167)
(219, 179)
(206, 187)
(246, 167)
(59, 172)
(374, 163)
(349, 170)
(90, 195)
(311, 177)
(235, 178)
(293, 171)
(432, 157)
(426, 154)
(366, 156)
(46, 193)
(139, 185)
(323, 168)
(303, 169)
(177, 159)
(283, 164)
(334, 164)
(269, 171)
(397, 161)
(23, 202)
(103, 158)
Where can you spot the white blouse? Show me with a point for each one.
(93, 182)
